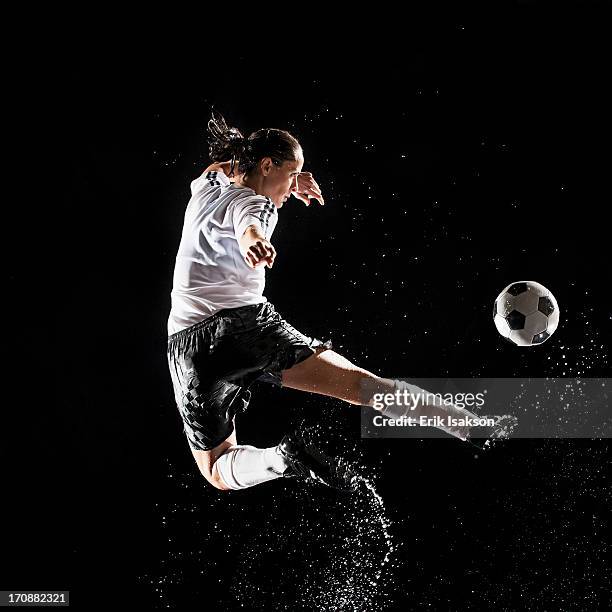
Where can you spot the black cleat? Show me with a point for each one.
(307, 461)
(486, 436)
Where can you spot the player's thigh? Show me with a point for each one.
(328, 373)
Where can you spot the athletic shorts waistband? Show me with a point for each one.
(173, 338)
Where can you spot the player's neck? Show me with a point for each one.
(251, 183)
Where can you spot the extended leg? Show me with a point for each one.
(328, 373)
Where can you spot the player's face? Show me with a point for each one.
(283, 180)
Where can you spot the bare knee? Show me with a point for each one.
(213, 478)
(206, 462)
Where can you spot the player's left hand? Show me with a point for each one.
(307, 188)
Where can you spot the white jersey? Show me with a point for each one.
(210, 271)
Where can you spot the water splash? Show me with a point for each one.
(355, 575)
(284, 545)
(384, 522)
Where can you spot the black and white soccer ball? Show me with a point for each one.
(526, 313)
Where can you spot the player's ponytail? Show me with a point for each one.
(228, 143)
(224, 142)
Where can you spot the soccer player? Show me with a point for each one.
(223, 334)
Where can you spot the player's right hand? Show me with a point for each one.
(260, 253)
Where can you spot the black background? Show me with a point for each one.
(457, 153)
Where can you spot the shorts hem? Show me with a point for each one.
(213, 446)
(301, 353)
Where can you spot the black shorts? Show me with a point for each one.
(213, 362)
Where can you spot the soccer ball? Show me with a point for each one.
(526, 313)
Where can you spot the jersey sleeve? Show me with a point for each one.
(252, 211)
(208, 180)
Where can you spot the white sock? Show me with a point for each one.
(244, 466)
(432, 406)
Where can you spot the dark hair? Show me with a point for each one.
(228, 143)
